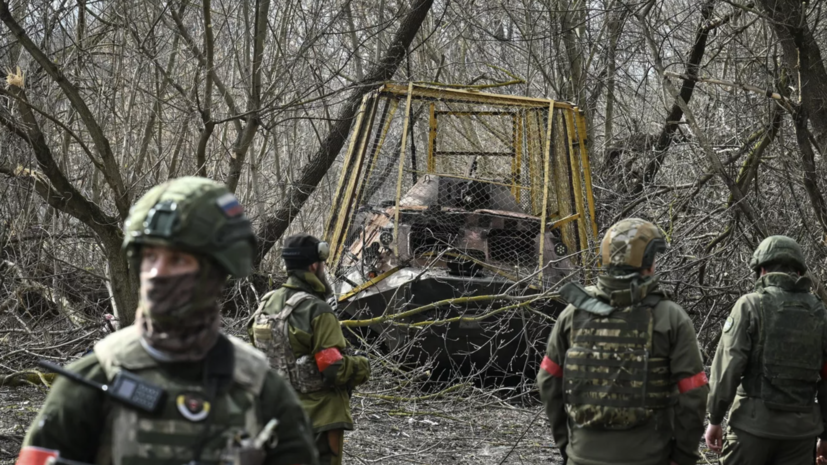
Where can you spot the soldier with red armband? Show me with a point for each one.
(622, 379)
(302, 337)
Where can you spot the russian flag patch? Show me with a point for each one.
(229, 205)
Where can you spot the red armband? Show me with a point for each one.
(694, 381)
(31, 455)
(824, 371)
(327, 357)
(551, 368)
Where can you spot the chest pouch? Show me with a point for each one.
(611, 381)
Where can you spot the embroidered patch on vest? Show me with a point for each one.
(192, 406)
(728, 324)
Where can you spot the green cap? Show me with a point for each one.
(196, 215)
(778, 250)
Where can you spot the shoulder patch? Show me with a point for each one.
(228, 204)
(728, 324)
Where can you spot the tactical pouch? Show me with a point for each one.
(308, 377)
(792, 350)
(610, 381)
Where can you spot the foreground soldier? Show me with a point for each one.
(298, 330)
(185, 237)
(622, 380)
(769, 366)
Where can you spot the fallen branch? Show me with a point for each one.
(435, 395)
(22, 378)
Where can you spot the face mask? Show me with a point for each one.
(179, 315)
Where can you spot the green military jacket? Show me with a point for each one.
(672, 433)
(731, 366)
(77, 420)
(313, 328)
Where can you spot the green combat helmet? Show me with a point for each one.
(778, 250)
(196, 215)
(631, 244)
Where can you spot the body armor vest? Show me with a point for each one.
(272, 336)
(174, 435)
(611, 380)
(785, 367)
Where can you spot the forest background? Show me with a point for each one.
(707, 117)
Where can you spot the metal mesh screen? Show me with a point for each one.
(461, 181)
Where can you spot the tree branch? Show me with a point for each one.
(112, 172)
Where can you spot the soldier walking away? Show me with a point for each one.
(172, 389)
(622, 380)
(769, 366)
(301, 335)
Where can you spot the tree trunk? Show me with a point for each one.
(673, 118)
(312, 173)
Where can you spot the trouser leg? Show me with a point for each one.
(330, 445)
(795, 452)
(742, 448)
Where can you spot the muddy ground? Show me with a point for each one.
(468, 426)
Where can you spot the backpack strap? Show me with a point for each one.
(292, 303)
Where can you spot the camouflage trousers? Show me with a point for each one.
(742, 448)
(330, 445)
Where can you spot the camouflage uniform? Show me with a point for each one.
(209, 403)
(315, 338)
(622, 380)
(769, 363)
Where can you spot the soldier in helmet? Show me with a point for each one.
(180, 391)
(769, 366)
(622, 380)
(301, 335)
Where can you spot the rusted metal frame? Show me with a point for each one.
(532, 162)
(546, 172)
(378, 141)
(337, 217)
(474, 113)
(562, 222)
(368, 284)
(562, 187)
(471, 96)
(478, 154)
(481, 122)
(486, 181)
(577, 187)
(394, 106)
(587, 170)
(516, 164)
(432, 138)
(355, 181)
(401, 169)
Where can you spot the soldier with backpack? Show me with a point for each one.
(769, 366)
(301, 335)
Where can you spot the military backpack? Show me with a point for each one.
(785, 367)
(272, 336)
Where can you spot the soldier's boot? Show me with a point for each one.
(742, 448)
(330, 445)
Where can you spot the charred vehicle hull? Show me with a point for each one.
(454, 263)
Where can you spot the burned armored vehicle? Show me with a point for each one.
(456, 215)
